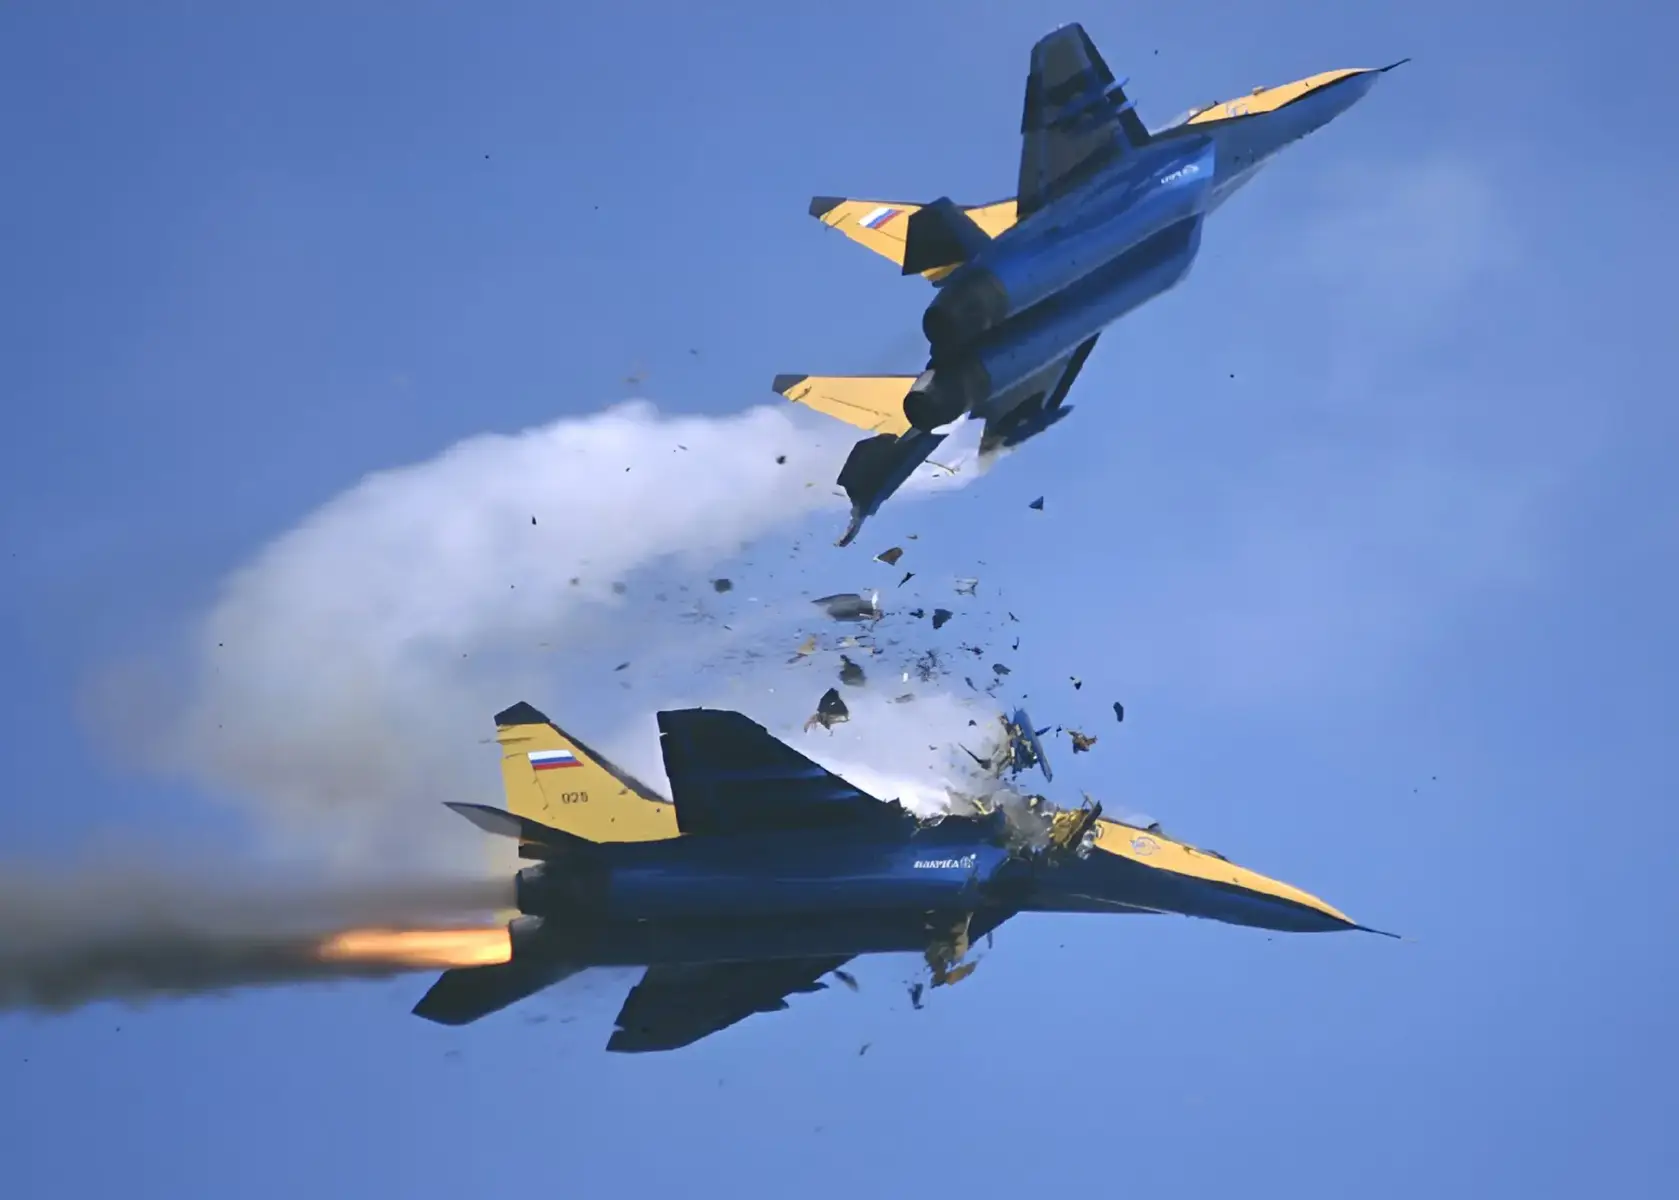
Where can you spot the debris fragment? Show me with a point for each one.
(1037, 504)
(1077, 682)
(940, 616)
(917, 613)
(850, 673)
(780, 460)
(1014, 618)
(533, 520)
(927, 666)
(865, 1049)
(620, 588)
(999, 669)
(965, 587)
(830, 711)
(1119, 711)
(846, 978)
(908, 575)
(850, 606)
(1081, 741)
(806, 647)
(621, 666)
(722, 585)
(1016, 645)
(915, 995)
(904, 699)
(890, 557)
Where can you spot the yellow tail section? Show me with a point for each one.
(881, 225)
(551, 777)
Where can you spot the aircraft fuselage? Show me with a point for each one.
(1004, 320)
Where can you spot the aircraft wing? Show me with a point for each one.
(1075, 120)
(730, 775)
(676, 1006)
(882, 225)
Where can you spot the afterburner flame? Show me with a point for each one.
(420, 948)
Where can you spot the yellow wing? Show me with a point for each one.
(880, 225)
(871, 402)
(551, 777)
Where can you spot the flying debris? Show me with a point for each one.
(966, 587)
(806, 648)
(908, 575)
(890, 557)
(1037, 504)
(1081, 741)
(850, 673)
(1076, 682)
(940, 616)
(999, 669)
(1021, 303)
(917, 613)
(846, 978)
(1119, 711)
(830, 711)
(1023, 745)
(621, 666)
(722, 585)
(850, 606)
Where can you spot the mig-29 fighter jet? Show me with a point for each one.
(765, 873)
(1106, 217)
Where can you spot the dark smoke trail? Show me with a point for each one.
(70, 938)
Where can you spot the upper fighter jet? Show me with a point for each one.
(768, 873)
(1107, 216)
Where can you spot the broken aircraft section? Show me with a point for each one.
(765, 873)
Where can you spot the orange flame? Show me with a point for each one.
(419, 948)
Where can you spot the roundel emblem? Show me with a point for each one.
(1144, 845)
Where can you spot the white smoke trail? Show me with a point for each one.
(345, 679)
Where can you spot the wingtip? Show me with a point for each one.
(786, 383)
(821, 206)
(1392, 65)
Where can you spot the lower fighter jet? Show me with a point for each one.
(765, 873)
(1107, 215)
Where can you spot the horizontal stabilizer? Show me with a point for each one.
(941, 235)
(879, 466)
(871, 402)
(534, 833)
(730, 775)
(466, 994)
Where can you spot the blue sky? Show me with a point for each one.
(1369, 524)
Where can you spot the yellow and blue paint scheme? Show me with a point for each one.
(767, 872)
(1106, 216)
